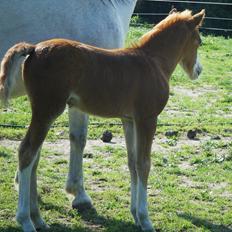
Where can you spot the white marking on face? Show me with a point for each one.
(197, 69)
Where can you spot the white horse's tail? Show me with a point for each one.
(11, 68)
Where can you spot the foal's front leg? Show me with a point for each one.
(78, 122)
(144, 129)
(129, 132)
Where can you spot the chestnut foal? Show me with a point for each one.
(131, 84)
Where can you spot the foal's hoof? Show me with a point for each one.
(42, 227)
(146, 225)
(40, 224)
(82, 207)
(145, 230)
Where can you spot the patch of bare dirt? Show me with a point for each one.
(194, 92)
(160, 144)
(187, 182)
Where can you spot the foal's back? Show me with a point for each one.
(110, 83)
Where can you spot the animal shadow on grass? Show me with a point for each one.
(3, 154)
(92, 220)
(199, 222)
(53, 227)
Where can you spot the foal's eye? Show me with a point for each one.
(200, 42)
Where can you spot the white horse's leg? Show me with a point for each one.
(38, 222)
(144, 135)
(78, 122)
(128, 127)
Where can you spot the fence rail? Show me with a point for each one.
(192, 2)
(205, 28)
(165, 14)
(120, 124)
(210, 26)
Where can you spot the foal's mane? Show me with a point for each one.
(170, 21)
(173, 19)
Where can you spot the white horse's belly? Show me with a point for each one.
(87, 21)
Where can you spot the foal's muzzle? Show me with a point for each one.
(197, 69)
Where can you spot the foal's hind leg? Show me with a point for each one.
(75, 183)
(129, 132)
(28, 152)
(34, 208)
(38, 222)
(144, 135)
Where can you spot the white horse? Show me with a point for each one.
(103, 23)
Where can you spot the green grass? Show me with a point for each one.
(191, 197)
(190, 186)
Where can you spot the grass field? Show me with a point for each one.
(190, 186)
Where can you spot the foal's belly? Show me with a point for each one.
(102, 108)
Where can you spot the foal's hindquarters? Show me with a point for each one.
(47, 104)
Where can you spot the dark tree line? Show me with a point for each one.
(212, 10)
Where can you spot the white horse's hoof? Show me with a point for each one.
(82, 202)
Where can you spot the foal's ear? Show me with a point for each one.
(172, 11)
(198, 19)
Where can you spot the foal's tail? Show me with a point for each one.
(11, 67)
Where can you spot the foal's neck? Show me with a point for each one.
(164, 48)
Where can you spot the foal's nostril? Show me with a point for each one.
(199, 71)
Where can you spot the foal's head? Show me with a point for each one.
(189, 59)
(178, 34)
